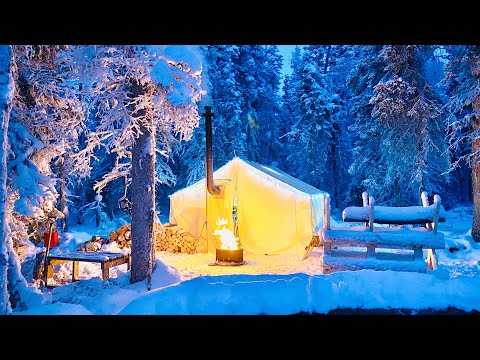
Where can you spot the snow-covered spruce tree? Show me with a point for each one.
(412, 134)
(140, 93)
(289, 107)
(365, 75)
(399, 153)
(463, 88)
(247, 65)
(339, 62)
(267, 105)
(228, 139)
(310, 135)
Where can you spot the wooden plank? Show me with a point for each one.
(335, 263)
(88, 256)
(119, 261)
(393, 215)
(398, 239)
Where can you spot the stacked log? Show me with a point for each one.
(173, 238)
(122, 236)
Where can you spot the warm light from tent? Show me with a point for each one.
(228, 241)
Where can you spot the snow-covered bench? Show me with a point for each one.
(387, 248)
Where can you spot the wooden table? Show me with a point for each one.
(105, 258)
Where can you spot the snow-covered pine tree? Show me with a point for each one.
(140, 93)
(463, 89)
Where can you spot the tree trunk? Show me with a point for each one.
(6, 84)
(63, 195)
(476, 176)
(143, 200)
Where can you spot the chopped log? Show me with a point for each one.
(121, 230)
(127, 234)
(92, 246)
(113, 235)
(96, 238)
(121, 238)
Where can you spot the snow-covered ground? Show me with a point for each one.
(275, 284)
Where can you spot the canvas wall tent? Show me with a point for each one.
(276, 212)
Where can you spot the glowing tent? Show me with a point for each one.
(275, 212)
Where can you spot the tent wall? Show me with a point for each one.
(273, 216)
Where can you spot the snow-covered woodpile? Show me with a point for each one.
(122, 236)
(173, 238)
(94, 244)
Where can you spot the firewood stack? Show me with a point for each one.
(122, 236)
(173, 238)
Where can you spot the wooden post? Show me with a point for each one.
(370, 250)
(365, 203)
(425, 203)
(371, 204)
(365, 198)
(49, 271)
(436, 212)
(75, 270)
(105, 270)
(326, 212)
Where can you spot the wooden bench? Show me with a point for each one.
(105, 258)
(342, 245)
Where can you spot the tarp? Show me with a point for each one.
(276, 212)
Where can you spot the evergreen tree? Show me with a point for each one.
(463, 89)
(310, 136)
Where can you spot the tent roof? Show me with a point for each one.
(285, 178)
(273, 172)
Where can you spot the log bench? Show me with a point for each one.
(342, 246)
(104, 258)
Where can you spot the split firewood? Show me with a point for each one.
(92, 246)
